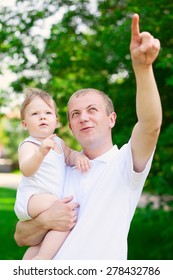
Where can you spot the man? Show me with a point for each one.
(108, 194)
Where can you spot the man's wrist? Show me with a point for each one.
(41, 221)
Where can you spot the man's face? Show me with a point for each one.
(89, 121)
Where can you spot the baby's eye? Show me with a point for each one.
(34, 114)
(48, 112)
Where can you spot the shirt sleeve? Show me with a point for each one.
(132, 178)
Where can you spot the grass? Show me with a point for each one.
(150, 236)
(9, 249)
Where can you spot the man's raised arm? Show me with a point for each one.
(144, 49)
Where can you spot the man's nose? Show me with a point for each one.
(84, 117)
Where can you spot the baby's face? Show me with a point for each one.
(40, 118)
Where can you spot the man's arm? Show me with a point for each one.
(61, 216)
(144, 49)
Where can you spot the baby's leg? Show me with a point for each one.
(39, 203)
(31, 252)
(53, 239)
(50, 245)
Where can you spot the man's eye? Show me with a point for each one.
(93, 109)
(75, 114)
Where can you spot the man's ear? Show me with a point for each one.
(69, 125)
(24, 125)
(112, 119)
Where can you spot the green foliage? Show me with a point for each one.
(11, 134)
(90, 48)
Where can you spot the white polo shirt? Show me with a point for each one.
(108, 195)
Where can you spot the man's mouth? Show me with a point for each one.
(86, 128)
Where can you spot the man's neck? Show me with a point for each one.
(93, 153)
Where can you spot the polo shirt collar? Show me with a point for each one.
(106, 157)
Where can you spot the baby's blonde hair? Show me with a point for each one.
(31, 93)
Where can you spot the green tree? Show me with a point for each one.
(11, 134)
(90, 48)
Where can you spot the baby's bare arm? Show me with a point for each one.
(78, 159)
(31, 155)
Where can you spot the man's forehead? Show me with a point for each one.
(85, 99)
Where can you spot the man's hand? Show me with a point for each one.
(144, 47)
(61, 216)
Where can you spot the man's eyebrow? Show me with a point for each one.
(78, 110)
(75, 110)
(92, 105)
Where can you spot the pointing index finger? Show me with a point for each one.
(135, 31)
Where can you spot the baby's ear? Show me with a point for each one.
(24, 125)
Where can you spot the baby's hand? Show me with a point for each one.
(82, 163)
(47, 144)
